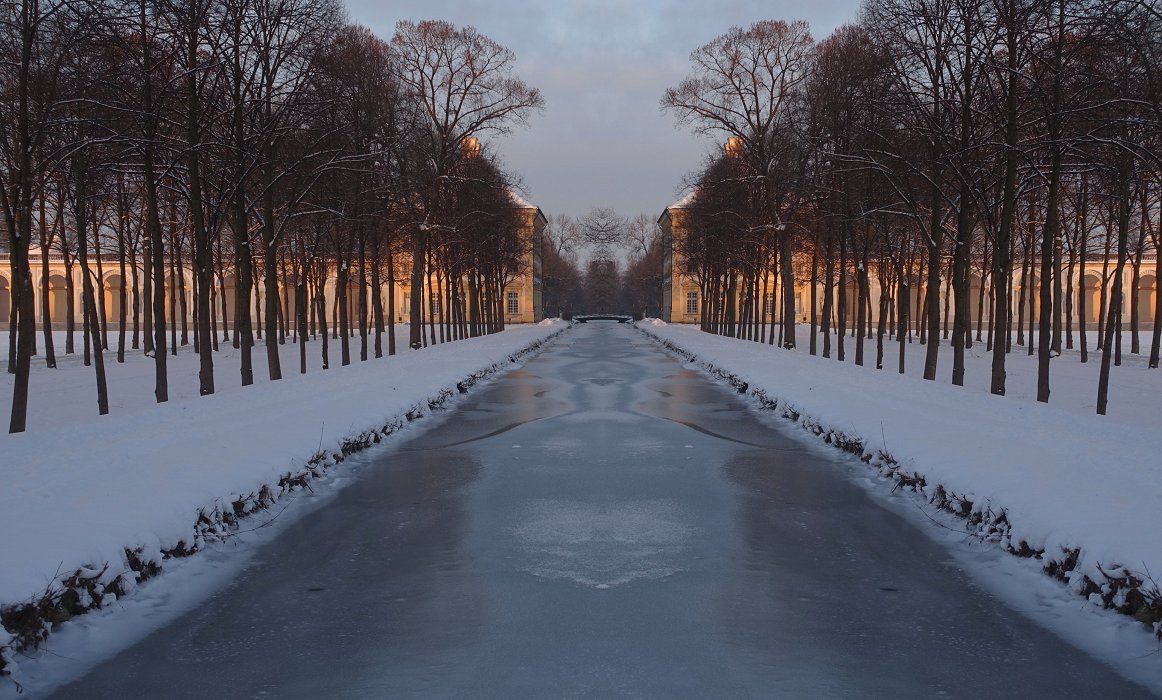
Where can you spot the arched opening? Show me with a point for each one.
(404, 304)
(975, 308)
(1091, 291)
(1147, 298)
(59, 293)
(229, 300)
(112, 292)
(179, 291)
(353, 302)
(916, 301)
(5, 300)
(1032, 301)
(289, 290)
(851, 303)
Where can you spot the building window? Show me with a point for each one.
(691, 302)
(513, 303)
(406, 309)
(769, 304)
(435, 311)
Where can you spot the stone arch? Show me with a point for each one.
(916, 300)
(5, 299)
(1091, 288)
(1147, 298)
(353, 300)
(288, 290)
(112, 292)
(229, 300)
(974, 310)
(403, 301)
(851, 301)
(174, 294)
(1031, 283)
(59, 294)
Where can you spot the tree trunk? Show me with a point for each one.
(1156, 339)
(122, 299)
(961, 255)
(1103, 303)
(362, 300)
(862, 285)
(788, 284)
(157, 267)
(935, 244)
(174, 290)
(1135, 283)
(70, 305)
(183, 304)
(202, 245)
(342, 307)
(1050, 328)
(88, 300)
(102, 315)
(1069, 293)
(1083, 236)
(415, 318)
(390, 299)
(270, 287)
(1115, 305)
(903, 294)
(814, 287)
(841, 313)
(301, 303)
(828, 291)
(377, 303)
(45, 297)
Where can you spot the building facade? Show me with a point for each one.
(522, 296)
(682, 294)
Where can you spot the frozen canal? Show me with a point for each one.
(601, 523)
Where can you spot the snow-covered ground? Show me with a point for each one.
(61, 398)
(78, 489)
(1135, 395)
(1064, 478)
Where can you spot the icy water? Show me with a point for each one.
(602, 523)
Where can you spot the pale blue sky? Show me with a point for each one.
(602, 66)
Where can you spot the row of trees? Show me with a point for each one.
(602, 263)
(267, 142)
(965, 155)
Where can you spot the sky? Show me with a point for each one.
(602, 66)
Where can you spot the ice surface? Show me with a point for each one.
(140, 476)
(602, 545)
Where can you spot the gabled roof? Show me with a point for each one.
(523, 203)
(520, 201)
(683, 203)
(686, 200)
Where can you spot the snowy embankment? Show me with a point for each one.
(1082, 493)
(90, 508)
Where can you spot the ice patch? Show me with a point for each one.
(602, 544)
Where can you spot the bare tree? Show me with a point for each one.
(36, 38)
(465, 86)
(746, 85)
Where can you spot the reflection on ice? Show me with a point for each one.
(602, 544)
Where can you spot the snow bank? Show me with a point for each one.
(1082, 493)
(83, 502)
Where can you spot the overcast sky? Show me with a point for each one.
(602, 66)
